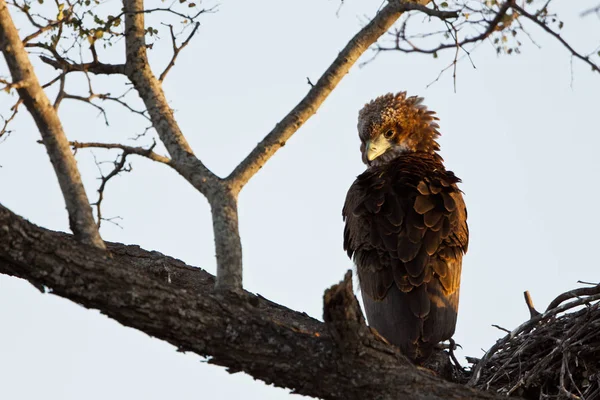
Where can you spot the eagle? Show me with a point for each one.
(406, 226)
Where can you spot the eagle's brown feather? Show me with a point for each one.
(406, 231)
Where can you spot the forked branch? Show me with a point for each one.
(81, 219)
(309, 105)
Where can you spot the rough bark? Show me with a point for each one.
(174, 302)
(81, 219)
(228, 247)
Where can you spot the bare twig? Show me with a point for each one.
(541, 24)
(495, 24)
(177, 49)
(140, 151)
(500, 328)
(8, 86)
(7, 121)
(88, 100)
(593, 10)
(119, 166)
(81, 218)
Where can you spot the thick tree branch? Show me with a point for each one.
(167, 299)
(81, 219)
(309, 105)
(150, 90)
(222, 199)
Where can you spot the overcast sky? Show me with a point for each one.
(521, 132)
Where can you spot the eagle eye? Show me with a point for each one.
(389, 134)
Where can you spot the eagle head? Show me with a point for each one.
(393, 124)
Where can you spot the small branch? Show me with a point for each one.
(41, 30)
(176, 49)
(593, 10)
(7, 121)
(81, 219)
(500, 328)
(140, 151)
(119, 166)
(10, 86)
(87, 100)
(587, 291)
(541, 24)
(532, 311)
(432, 12)
(492, 27)
(67, 66)
(169, 10)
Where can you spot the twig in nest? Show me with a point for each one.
(501, 328)
(589, 291)
(532, 311)
(552, 355)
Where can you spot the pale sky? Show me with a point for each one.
(520, 131)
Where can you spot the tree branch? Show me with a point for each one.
(545, 27)
(222, 198)
(149, 88)
(492, 26)
(593, 10)
(81, 219)
(177, 49)
(139, 151)
(575, 293)
(119, 167)
(309, 105)
(97, 68)
(171, 301)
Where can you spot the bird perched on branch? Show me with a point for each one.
(406, 226)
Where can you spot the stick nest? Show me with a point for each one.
(554, 355)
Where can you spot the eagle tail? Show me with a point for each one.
(414, 321)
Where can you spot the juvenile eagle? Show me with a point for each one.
(406, 226)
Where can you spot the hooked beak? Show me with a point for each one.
(376, 147)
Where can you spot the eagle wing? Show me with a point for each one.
(406, 229)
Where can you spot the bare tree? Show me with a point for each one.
(148, 291)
